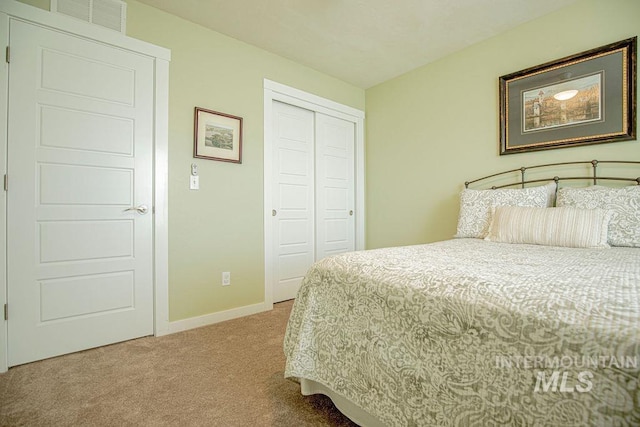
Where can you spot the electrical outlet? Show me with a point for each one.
(226, 278)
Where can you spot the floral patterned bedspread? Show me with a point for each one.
(469, 332)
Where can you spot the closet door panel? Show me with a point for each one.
(335, 185)
(293, 199)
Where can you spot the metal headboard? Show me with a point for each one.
(593, 177)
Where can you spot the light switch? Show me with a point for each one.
(194, 183)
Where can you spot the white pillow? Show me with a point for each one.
(624, 228)
(569, 227)
(475, 206)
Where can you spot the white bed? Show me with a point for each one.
(477, 332)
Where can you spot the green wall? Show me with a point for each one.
(435, 127)
(219, 227)
(42, 4)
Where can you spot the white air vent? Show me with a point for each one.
(106, 13)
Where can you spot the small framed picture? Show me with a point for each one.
(217, 136)
(587, 98)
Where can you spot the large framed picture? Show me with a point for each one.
(217, 136)
(587, 98)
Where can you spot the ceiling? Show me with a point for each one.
(362, 42)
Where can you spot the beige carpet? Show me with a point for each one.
(228, 374)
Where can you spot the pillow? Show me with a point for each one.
(552, 188)
(569, 227)
(624, 228)
(475, 206)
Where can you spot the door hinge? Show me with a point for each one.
(8, 54)
(6, 312)
(6, 182)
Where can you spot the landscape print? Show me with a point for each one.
(567, 103)
(218, 136)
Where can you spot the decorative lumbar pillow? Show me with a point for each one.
(569, 227)
(475, 206)
(624, 228)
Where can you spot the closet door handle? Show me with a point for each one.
(274, 212)
(350, 213)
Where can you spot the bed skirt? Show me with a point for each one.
(348, 408)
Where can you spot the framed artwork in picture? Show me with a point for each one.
(217, 136)
(587, 98)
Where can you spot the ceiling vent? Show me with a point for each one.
(110, 14)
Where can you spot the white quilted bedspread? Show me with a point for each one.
(469, 332)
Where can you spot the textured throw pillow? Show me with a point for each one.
(475, 206)
(624, 228)
(569, 227)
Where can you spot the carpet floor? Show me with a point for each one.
(227, 374)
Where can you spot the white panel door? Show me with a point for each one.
(80, 156)
(335, 191)
(293, 204)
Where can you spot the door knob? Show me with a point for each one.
(274, 212)
(350, 213)
(142, 209)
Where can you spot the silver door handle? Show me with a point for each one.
(274, 212)
(142, 209)
(350, 213)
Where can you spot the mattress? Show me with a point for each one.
(470, 332)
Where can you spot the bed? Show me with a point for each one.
(499, 326)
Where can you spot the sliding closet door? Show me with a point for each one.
(334, 192)
(313, 193)
(293, 200)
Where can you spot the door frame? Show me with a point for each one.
(274, 91)
(12, 10)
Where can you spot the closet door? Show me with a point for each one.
(334, 190)
(293, 199)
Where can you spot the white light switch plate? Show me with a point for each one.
(194, 183)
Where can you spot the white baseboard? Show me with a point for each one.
(221, 316)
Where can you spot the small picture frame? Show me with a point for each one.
(217, 136)
(587, 98)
